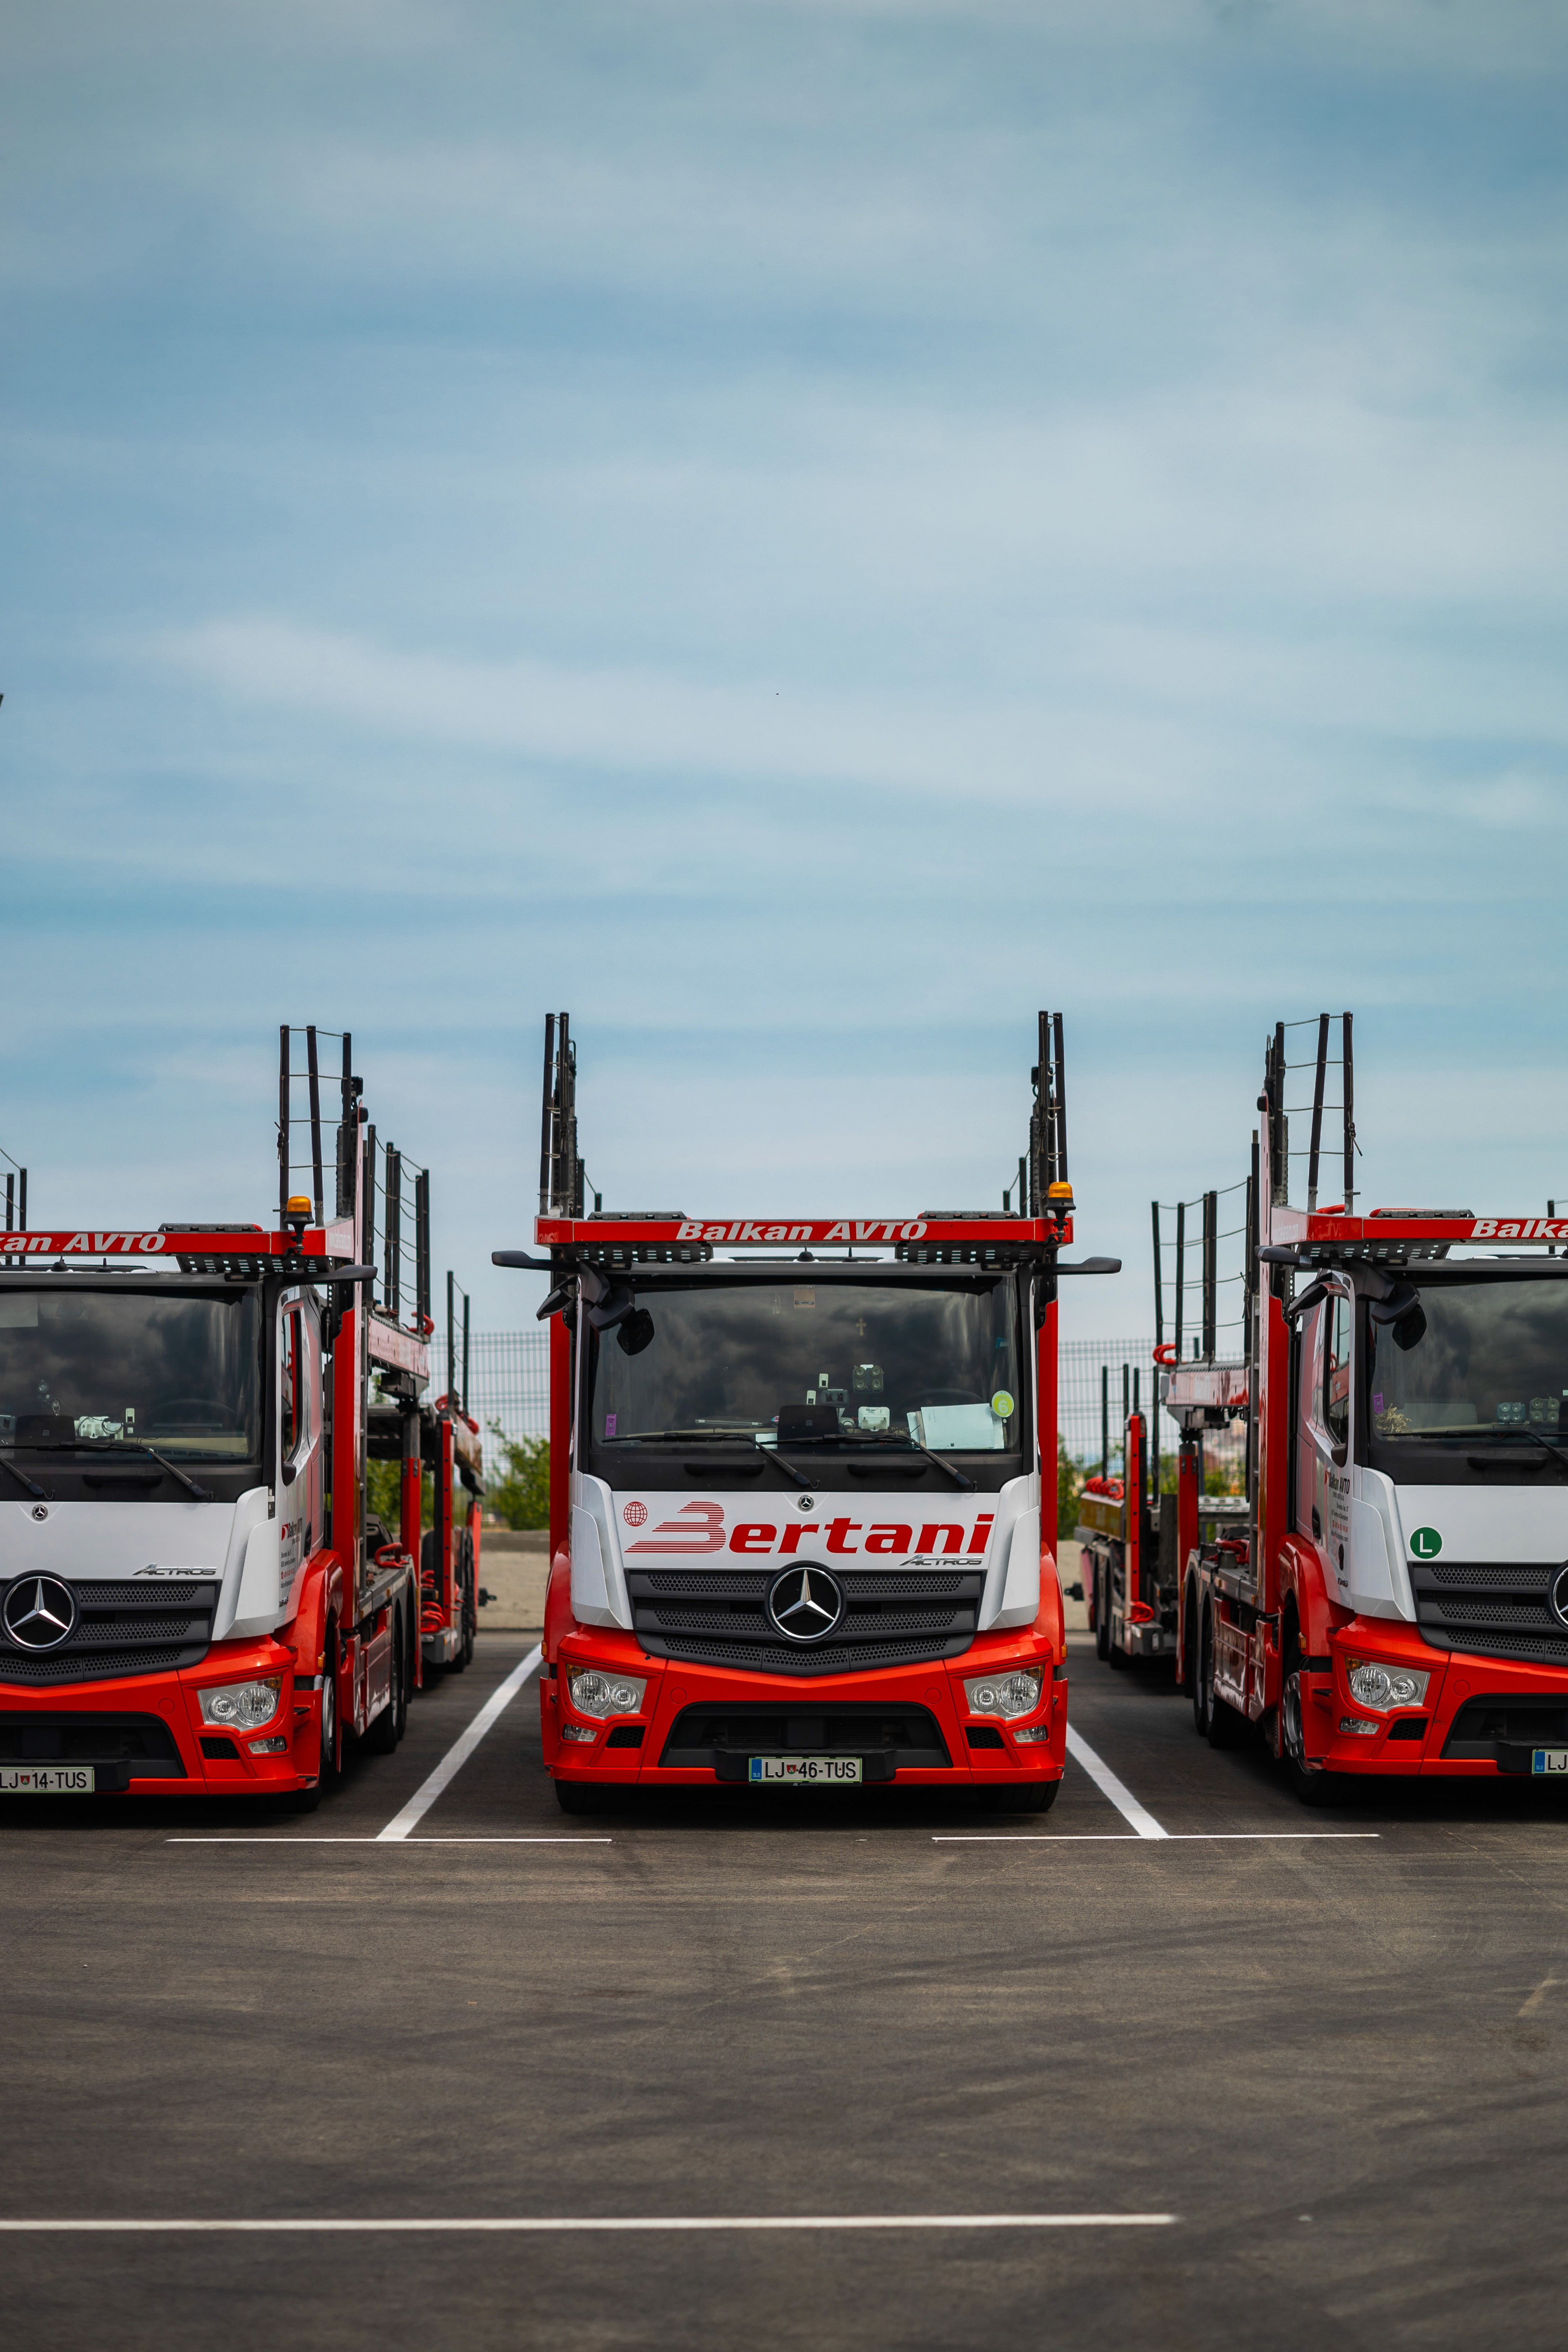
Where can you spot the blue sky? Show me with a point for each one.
(801, 533)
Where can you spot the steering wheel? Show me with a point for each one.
(208, 1410)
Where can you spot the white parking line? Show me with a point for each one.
(550, 2223)
(380, 1838)
(1169, 1837)
(1106, 1782)
(457, 1754)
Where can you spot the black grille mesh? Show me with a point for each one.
(827, 1658)
(691, 1617)
(130, 1625)
(1489, 1576)
(78, 1666)
(1499, 1608)
(892, 1617)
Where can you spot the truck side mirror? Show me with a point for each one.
(634, 1335)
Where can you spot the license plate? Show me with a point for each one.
(47, 1780)
(1550, 1759)
(806, 1771)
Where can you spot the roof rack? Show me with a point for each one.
(1040, 1221)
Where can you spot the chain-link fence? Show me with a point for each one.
(1094, 1376)
(508, 1382)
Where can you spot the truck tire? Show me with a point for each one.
(327, 1771)
(1312, 1783)
(1197, 1669)
(1037, 1797)
(381, 1734)
(462, 1591)
(308, 1801)
(1102, 1614)
(1226, 1728)
(1114, 1654)
(470, 1603)
(406, 1677)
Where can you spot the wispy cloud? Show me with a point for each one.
(800, 530)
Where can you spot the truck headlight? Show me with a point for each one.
(1382, 1687)
(594, 1692)
(1015, 1692)
(246, 1705)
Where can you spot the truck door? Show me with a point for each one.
(299, 1442)
(1322, 1433)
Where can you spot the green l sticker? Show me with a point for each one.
(1426, 1543)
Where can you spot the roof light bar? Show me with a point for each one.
(775, 1233)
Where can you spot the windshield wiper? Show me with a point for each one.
(711, 1437)
(771, 1454)
(891, 1445)
(948, 1469)
(1515, 1436)
(680, 1437)
(135, 1445)
(22, 1479)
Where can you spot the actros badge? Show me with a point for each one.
(39, 1612)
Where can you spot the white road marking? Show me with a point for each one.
(552, 2223)
(1171, 1837)
(380, 1836)
(1106, 1782)
(457, 1754)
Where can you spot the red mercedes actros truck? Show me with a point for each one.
(195, 1597)
(1396, 1599)
(802, 1485)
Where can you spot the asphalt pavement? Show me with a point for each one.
(1303, 2072)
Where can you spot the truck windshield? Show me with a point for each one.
(926, 1361)
(1477, 1359)
(79, 1366)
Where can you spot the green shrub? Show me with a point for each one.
(384, 1485)
(522, 1494)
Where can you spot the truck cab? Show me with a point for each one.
(1430, 1481)
(799, 1531)
(164, 1449)
(1397, 1602)
(194, 1596)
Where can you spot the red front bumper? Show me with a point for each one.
(673, 1687)
(169, 1712)
(1413, 1740)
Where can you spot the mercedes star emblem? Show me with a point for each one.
(39, 1612)
(806, 1603)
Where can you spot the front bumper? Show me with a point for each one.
(1482, 1717)
(143, 1734)
(936, 1747)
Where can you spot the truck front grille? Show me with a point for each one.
(891, 1618)
(134, 1626)
(1491, 1609)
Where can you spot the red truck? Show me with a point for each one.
(194, 1596)
(800, 1536)
(1392, 1600)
